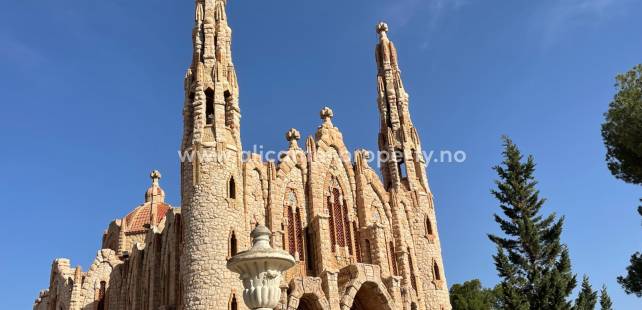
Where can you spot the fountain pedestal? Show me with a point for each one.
(261, 269)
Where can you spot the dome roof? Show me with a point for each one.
(139, 219)
(154, 208)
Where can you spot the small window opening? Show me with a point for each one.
(233, 303)
(232, 189)
(401, 164)
(309, 259)
(228, 109)
(209, 106)
(101, 295)
(233, 244)
(429, 231)
(436, 271)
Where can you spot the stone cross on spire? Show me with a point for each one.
(155, 176)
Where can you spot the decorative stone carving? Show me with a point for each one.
(261, 269)
(293, 136)
(326, 115)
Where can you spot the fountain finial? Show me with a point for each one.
(261, 268)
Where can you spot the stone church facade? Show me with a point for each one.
(360, 242)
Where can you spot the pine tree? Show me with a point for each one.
(587, 298)
(534, 265)
(605, 300)
(632, 282)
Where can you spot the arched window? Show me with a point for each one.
(233, 303)
(338, 218)
(401, 164)
(294, 229)
(291, 232)
(331, 219)
(233, 244)
(413, 279)
(231, 191)
(209, 106)
(429, 231)
(393, 258)
(348, 229)
(299, 234)
(436, 272)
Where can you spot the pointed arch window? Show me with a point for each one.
(429, 230)
(233, 303)
(339, 219)
(293, 228)
(436, 271)
(299, 234)
(348, 229)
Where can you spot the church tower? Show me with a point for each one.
(416, 246)
(211, 178)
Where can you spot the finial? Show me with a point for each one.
(326, 115)
(382, 29)
(293, 136)
(155, 175)
(155, 193)
(78, 275)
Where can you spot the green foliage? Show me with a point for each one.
(632, 283)
(587, 298)
(622, 129)
(471, 296)
(605, 300)
(534, 265)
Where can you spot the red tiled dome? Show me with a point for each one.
(136, 220)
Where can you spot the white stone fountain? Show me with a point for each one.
(261, 269)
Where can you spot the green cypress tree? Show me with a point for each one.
(533, 264)
(587, 298)
(605, 300)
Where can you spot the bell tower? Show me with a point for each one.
(398, 138)
(211, 165)
(417, 245)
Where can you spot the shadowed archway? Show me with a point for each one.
(370, 297)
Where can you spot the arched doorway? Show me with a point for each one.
(309, 302)
(370, 297)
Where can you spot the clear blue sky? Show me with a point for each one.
(91, 99)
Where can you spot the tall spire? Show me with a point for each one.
(397, 135)
(393, 99)
(211, 112)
